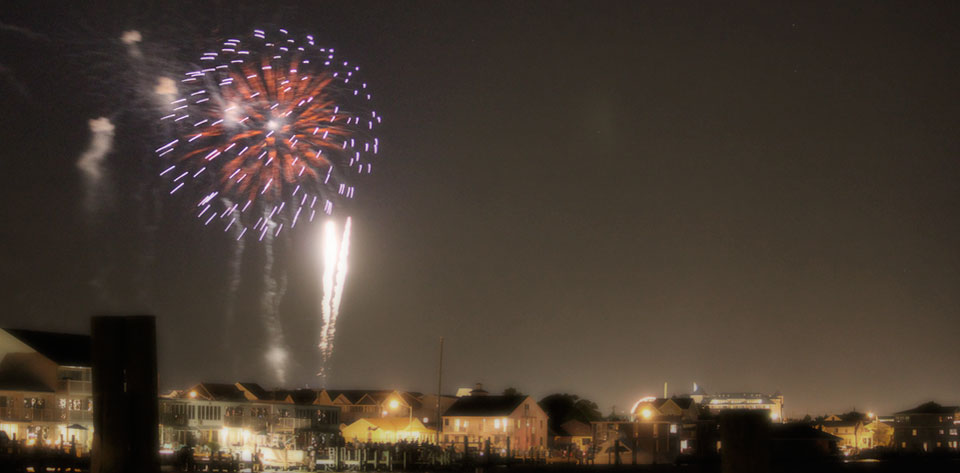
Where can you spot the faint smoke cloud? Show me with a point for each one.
(131, 39)
(5, 73)
(90, 162)
(8, 28)
(166, 88)
(16, 85)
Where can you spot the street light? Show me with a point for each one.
(394, 404)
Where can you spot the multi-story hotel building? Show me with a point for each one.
(45, 388)
(244, 417)
(720, 401)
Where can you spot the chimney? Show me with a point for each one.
(478, 390)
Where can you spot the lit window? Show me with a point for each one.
(496, 423)
(673, 428)
(914, 432)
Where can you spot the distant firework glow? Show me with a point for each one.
(268, 129)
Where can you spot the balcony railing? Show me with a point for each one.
(291, 423)
(24, 414)
(233, 421)
(173, 420)
(80, 416)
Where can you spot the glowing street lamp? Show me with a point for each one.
(394, 404)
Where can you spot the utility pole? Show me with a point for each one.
(439, 391)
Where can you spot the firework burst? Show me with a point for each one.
(268, 130)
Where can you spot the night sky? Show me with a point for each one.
(586, 197)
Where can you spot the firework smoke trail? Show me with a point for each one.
(91, 163)
(335, 254)
(131, 38)
(96, 195)
(276, 355)
(233, 283)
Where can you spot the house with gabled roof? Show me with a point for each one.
(666, 427)
(370, 403)
(851, 432)
(513, 425)
(926, 428)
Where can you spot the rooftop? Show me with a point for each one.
(16, 381)
(930, 408)
(484, 406)
(65, 349)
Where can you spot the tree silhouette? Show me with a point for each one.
(565, 407)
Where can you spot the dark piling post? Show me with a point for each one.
(745, 441)
(125, 419)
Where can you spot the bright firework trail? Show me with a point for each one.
(334, 261)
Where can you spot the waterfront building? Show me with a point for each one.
(666, 427)
(514, 425)
(852, 433)
(245, 417)
(46, 389)
(740, 400)
(926, 428)
(574, 435)
(881, 432)
(388, 430)
(613, 441)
